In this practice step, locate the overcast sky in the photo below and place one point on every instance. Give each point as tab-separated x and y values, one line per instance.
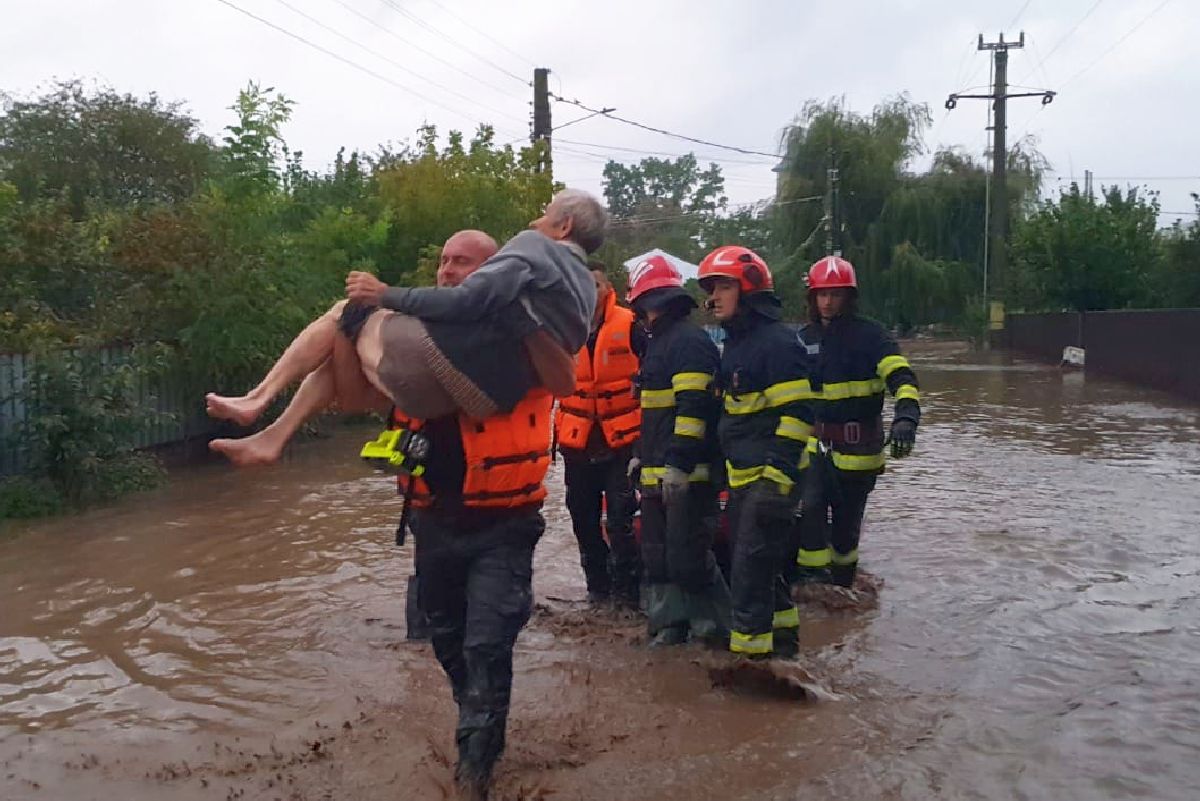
729	72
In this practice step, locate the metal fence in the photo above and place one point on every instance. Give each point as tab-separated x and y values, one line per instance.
176	413
1158	348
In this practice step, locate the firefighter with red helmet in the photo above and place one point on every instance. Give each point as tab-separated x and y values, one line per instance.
686	597
851	362
764	428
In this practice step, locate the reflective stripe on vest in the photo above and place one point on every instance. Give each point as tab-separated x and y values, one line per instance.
603	387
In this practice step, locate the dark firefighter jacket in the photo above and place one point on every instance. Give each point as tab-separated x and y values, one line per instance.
679	404
850	362
765	422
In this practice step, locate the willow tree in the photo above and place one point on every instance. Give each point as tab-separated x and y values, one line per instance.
870	152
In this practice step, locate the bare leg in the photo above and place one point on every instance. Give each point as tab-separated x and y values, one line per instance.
316	393
337	381
307	352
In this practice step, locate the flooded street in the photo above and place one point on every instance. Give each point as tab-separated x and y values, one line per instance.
241	634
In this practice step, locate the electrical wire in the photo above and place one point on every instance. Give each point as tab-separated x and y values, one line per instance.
419	48
436	32
486	35
395	63
1120	41
1062	40
347	61
745	151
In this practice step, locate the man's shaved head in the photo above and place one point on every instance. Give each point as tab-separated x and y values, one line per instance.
463	254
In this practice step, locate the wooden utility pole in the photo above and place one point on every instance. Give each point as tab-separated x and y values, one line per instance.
998	217
541	116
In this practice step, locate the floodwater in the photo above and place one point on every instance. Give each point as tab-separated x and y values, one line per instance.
1037	634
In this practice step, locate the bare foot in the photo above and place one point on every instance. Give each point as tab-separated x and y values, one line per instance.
248	452
243	411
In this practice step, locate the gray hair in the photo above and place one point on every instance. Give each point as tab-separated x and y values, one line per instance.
589	220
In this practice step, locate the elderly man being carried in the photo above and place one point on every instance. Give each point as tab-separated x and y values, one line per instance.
477	348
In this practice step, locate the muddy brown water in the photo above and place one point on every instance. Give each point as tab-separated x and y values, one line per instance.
241	635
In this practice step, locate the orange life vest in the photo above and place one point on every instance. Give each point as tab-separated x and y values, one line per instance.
506	456
603	386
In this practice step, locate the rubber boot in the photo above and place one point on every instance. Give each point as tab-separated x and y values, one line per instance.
811	575
709	612
843	575
786	642
666	614
417	623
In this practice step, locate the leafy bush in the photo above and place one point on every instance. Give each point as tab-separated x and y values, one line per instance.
83	416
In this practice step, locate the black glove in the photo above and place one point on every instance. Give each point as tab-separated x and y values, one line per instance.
903	437
773	503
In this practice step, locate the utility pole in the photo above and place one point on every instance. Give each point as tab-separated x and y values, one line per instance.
833	221
541	116
998	216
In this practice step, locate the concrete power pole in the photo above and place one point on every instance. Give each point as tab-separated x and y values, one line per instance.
833	217
998	217
541	116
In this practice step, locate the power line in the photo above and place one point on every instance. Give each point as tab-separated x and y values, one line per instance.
1138	178
485	35
1120	41
1062	40
665	132
395	63
1017	18
699	156
1100	58
346	61
399	10
624	222
418	48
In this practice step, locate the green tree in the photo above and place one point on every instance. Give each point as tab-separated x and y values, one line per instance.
1083	254
670	204
1176	282
430	192
101	147
253	146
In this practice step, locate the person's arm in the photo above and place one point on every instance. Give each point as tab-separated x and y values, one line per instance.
695	363
898	376
788	395
492	287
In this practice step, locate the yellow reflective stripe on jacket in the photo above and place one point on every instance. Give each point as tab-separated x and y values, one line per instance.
788	392
786	619
657	398
890	364
850	461
696	382
851	389
845	558
747	403
821	557
741	643
793	428
741	476
908	392
772	473
652	475
690	427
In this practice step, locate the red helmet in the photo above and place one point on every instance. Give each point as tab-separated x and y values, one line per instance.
655	272
832	272
739	263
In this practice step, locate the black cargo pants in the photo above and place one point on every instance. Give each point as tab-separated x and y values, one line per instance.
765	621
476	588
592	488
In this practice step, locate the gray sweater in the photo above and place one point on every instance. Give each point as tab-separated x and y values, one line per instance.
532	283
